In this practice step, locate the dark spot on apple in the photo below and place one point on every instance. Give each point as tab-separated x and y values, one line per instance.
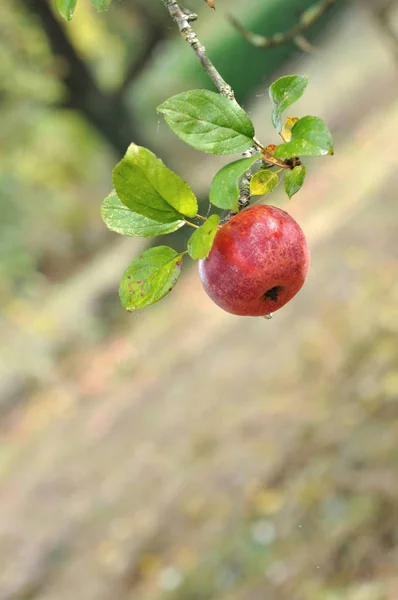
273	293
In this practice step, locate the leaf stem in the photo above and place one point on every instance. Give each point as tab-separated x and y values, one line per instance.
274	161
258	144
191	224
200	217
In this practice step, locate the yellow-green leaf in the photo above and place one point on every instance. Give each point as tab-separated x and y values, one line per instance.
263	182
148	187
286	132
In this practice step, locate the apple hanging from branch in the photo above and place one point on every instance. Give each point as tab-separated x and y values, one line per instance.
258	262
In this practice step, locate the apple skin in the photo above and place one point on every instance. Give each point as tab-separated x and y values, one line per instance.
258	262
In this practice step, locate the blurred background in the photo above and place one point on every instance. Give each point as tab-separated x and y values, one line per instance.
182	453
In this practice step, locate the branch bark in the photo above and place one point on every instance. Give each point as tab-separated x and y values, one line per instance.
183	21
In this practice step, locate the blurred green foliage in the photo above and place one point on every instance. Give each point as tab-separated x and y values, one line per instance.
49	157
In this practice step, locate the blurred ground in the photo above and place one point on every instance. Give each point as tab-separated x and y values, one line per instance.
191	455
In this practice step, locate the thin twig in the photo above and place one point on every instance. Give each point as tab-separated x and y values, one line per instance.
308	18
183	21
191	224
304	45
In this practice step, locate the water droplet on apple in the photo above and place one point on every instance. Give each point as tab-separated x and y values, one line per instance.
268	317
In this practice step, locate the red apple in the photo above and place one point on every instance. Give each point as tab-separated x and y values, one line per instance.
258	262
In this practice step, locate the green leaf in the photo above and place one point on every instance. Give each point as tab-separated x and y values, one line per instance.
66	8
310	137
263	182
201	241
148	187
283	92
294	179
224	189
209	122
150	277
101	5
121	219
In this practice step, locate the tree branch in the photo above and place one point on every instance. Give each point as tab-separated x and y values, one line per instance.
308	18
183	21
